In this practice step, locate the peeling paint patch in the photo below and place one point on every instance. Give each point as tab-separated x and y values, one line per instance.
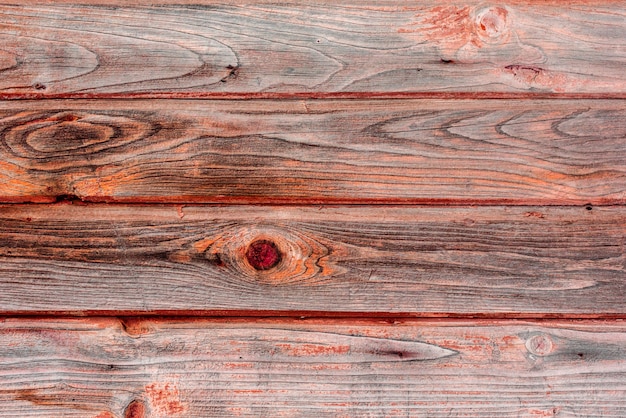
165	398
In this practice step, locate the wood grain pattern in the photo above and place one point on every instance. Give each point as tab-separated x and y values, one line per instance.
370	151
459	245
431	261
56	50
161	368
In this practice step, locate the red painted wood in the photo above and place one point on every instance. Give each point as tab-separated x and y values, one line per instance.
334	260
193	367
235	48
483	152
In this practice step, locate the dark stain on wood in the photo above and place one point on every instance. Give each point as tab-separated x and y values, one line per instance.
329	152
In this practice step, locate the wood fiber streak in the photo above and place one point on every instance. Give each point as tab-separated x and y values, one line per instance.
320	47
534	261
403	151
107	368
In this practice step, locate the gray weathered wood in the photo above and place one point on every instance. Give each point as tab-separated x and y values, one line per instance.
313	48
518	261
104	368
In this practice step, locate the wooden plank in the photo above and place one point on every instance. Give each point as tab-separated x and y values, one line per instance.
289	47
157	368
532	152
269	260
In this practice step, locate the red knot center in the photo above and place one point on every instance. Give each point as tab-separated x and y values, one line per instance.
263	255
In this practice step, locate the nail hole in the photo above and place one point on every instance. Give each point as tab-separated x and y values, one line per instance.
588	206
263	255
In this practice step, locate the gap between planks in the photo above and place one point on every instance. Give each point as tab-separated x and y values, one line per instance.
294	315
348	95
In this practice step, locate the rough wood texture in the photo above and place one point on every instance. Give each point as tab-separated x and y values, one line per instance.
404	151
518	261
510	116
106	368
313	48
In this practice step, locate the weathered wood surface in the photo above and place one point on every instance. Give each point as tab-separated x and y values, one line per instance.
313	48
402	151
517	261
158	368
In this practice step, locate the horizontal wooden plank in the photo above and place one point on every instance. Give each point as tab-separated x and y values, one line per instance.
252	47
271	260
405	151
106	368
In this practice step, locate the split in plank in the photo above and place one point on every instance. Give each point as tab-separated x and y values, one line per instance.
406	151
248	260
57	50
107	368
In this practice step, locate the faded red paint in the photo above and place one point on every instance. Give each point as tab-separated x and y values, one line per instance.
543	412
331	366
540	78
239	411
232	366
491	25
165	398
448	26
105	414
510	339
533	214
453	27
308	350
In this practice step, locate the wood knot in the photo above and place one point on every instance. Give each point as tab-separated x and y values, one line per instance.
270	255
492	25
539	345
263	255
135	327
135	409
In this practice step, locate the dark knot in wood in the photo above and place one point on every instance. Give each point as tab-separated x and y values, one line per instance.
263	255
